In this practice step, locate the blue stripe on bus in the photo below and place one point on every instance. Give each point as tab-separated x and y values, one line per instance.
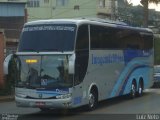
120	85
128	76
131	54
54	91
48	93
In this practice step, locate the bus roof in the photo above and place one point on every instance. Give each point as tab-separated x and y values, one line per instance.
95	21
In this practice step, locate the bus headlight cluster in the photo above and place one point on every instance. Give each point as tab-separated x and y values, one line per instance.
63	96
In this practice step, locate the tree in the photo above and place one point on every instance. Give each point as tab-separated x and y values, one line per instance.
145	9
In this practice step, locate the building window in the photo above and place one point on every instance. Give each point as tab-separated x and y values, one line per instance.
33	3
102	3
76	7
61	2
12	0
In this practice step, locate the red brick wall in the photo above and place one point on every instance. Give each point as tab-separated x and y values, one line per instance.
1	58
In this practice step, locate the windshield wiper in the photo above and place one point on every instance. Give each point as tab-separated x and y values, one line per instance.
50	50
28	50
41	50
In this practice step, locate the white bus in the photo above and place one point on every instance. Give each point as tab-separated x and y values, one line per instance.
67	63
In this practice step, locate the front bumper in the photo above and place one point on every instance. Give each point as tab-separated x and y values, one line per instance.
43	103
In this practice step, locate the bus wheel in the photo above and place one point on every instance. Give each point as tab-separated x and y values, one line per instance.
133	90
140	89
93	100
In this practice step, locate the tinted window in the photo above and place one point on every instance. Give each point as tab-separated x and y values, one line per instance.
148	44
136	40
57	37
131	40
104	37
82	53
119	38
82	42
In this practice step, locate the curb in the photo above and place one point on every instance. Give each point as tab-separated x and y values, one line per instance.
6	98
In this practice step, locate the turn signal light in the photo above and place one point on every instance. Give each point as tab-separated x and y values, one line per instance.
29	61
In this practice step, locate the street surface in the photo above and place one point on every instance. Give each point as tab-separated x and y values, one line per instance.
149	103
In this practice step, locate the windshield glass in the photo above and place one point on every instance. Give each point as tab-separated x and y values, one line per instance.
46	72
50	37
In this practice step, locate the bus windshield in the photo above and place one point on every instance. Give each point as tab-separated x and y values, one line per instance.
44	71
47	38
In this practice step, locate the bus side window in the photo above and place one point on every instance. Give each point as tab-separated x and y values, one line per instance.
82	53
132	41
148	41
103	38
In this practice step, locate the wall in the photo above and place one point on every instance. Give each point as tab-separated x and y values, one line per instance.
72	9
12	18
1	57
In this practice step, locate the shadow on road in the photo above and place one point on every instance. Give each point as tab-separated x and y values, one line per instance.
117	100
73	114
53	114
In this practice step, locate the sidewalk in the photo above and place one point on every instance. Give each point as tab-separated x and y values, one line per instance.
6	98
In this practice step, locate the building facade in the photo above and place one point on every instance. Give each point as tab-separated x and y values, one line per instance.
106	8
53	9
2	46
14	13
12	19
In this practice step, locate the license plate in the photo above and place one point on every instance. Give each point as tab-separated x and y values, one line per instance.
40	104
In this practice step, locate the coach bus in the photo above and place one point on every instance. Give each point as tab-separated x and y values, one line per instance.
67	63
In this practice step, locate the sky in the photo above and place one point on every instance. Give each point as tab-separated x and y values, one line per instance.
151	6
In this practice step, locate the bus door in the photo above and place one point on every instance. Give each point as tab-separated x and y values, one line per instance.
81	63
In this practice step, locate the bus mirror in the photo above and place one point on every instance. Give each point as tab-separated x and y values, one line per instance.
6	64
71	64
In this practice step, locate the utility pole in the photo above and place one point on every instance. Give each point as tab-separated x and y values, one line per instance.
113	10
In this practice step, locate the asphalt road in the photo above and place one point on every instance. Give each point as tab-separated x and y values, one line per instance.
122	107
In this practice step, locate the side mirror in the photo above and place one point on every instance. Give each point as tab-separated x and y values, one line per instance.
72	64
6	64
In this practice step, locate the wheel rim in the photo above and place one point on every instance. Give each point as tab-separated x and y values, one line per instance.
91	100
140	89
133	90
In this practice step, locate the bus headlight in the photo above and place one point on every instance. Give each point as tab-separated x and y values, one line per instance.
21	95
63	96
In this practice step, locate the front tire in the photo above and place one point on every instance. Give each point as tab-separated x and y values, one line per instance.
93	100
